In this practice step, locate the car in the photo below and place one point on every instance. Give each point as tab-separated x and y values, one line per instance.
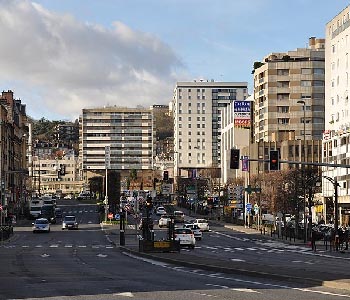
185	236
202	224
58	212
69	197
196	231
179	216
48	212
41	225
164	221
69	222
160	210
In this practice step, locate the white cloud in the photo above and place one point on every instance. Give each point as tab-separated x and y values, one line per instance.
79	65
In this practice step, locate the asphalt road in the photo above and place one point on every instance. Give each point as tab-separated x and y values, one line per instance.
82	264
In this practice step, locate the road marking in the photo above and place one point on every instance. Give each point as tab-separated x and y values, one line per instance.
246	290
237	259
252	249
102	255
54	246
45	255
203	294
68	246
38	246
25	246
239	249
82	246
213	248
125	294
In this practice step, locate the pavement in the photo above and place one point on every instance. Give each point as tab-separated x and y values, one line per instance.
185	258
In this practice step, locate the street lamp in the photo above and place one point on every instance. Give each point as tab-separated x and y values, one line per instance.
303	168
335	183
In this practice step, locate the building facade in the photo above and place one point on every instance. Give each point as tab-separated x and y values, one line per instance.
289	93
197	109
336	138
130	134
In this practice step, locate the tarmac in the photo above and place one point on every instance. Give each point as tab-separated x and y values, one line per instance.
304	276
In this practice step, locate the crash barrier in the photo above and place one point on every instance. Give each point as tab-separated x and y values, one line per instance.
5	232
159	246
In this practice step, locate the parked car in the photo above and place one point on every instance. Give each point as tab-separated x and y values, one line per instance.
69	196
41	225
196	231
69	222
164	221
202	224
160	210
186	237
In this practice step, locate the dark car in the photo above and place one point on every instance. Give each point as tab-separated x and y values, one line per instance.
48	212
58	212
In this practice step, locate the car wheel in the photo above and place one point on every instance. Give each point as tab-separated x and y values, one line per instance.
62	228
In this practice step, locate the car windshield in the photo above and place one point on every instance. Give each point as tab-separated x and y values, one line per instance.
41	222
183	231
69	218
202	221
38	208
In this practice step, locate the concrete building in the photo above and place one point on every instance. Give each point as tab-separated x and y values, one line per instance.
289	105
197	107
280	81
129	132
336	138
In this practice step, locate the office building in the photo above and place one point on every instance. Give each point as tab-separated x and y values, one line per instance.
197	109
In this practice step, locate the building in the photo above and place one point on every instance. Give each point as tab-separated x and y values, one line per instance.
197	107
56	175
336	138
289	110
13	160
67	133
130	134
289	94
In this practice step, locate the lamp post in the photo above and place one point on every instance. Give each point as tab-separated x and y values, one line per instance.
335	183
107	166
303	168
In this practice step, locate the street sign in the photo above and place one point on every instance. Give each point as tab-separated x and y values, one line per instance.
248	207
110	216
117	216
256	208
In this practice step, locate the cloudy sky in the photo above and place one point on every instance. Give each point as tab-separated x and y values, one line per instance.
59	56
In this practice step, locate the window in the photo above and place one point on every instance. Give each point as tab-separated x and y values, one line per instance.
318	71
189	90
189	125
189	133
180	119
198	125
189	104
306	71
189	118
283	109
189	97
305	96
305	83
198	118
203	97
180	125
203	118
189	111
203	125
283	72
283	84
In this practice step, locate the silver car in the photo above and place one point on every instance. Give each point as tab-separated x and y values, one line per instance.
69	222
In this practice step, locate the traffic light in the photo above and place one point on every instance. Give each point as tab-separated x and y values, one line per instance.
274	160
165	175
234	159
63	170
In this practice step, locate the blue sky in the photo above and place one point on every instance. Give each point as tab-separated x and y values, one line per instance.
64	55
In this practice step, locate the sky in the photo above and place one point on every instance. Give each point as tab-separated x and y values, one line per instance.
60	56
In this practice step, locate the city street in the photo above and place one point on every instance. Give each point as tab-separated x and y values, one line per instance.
83	264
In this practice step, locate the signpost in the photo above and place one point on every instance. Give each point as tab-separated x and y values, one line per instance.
248	208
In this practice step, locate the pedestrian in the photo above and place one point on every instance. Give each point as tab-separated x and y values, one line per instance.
313	240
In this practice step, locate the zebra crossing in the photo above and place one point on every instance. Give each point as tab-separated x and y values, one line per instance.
59	246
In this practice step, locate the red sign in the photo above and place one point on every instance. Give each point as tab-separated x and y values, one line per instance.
110	216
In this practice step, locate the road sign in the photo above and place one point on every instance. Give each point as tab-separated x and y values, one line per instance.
256	208
110	216
117	216
248	207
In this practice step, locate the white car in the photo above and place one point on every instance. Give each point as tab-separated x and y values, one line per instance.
196	231
186	237
70	222
164	221
202	224
41	225
160	211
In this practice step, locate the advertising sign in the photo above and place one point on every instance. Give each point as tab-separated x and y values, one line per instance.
241	114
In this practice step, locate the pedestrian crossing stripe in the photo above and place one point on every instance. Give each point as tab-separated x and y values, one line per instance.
59	246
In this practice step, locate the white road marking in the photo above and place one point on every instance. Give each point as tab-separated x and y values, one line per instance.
237	259
54	246
125	294
68	246
246	291
38	246
45	255
102	255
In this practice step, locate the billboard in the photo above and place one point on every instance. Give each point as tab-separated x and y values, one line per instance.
241	112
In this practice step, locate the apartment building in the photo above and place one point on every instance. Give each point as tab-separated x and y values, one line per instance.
197	109
130	134
289	91
336	138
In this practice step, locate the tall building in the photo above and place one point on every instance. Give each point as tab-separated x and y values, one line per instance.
289	94
197	109
129	132
336	138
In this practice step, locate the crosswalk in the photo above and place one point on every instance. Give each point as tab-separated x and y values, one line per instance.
59	246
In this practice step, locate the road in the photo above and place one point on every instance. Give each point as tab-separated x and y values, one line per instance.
82	264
